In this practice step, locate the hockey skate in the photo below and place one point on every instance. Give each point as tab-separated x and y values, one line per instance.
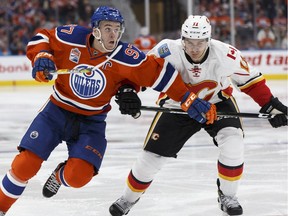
52	186
121	207
228	204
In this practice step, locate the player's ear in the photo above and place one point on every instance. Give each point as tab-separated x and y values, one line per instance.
96	32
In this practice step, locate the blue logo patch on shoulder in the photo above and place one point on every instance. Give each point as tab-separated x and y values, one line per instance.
164	51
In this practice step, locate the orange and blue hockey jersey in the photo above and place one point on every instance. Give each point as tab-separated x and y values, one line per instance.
90	93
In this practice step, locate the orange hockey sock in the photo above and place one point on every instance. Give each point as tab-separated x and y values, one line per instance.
76	173
10	190
24	166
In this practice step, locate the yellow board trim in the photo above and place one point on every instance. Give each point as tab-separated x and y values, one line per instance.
35	83
24	83
276	76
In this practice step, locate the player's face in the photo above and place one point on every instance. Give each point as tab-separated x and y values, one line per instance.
195	48
110	32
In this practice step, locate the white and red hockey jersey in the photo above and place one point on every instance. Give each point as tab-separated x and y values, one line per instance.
211	79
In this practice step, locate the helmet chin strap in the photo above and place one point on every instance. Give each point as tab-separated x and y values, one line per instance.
99	39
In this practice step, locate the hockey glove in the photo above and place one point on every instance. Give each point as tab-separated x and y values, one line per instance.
128	101
198	109
274	106
43	63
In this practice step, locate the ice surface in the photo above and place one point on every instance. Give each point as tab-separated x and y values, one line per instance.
186	186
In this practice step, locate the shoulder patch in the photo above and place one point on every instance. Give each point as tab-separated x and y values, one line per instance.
164	51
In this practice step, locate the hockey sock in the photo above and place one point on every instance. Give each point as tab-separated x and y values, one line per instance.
135	185
75	173
24	166
10	190
231	159
142	174
60	177
229	177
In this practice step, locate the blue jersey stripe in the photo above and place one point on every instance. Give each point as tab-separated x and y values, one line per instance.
169	72
36	37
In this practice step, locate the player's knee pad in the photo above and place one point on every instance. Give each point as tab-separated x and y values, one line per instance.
231	145
147	165
78	172
25	165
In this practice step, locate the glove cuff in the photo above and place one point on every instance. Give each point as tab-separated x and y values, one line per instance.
43	55
274	106
187	100
126	88
268	107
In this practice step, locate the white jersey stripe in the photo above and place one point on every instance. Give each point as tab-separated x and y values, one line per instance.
14	181
59	97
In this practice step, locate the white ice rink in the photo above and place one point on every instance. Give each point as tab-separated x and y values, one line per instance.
186	186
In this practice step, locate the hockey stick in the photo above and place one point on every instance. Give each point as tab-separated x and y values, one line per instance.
86	70
224	114
69	71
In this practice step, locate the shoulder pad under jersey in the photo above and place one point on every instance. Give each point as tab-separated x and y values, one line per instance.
72	34
226	54
224	48
129	55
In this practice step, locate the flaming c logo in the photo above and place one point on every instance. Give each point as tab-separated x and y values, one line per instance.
204	87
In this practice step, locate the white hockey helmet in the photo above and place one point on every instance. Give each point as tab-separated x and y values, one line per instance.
196	27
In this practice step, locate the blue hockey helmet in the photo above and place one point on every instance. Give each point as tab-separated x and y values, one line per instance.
106	13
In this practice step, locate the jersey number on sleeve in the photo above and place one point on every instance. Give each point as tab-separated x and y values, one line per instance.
131	52
68	31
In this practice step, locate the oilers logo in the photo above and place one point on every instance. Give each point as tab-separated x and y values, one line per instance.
88	85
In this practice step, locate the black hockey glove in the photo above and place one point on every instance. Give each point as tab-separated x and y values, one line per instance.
274	106
128	101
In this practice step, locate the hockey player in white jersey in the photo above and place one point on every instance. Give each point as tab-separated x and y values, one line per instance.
208	67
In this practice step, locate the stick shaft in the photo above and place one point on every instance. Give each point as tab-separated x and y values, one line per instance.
224	114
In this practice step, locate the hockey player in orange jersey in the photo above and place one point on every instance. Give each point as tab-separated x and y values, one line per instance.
78	106
145	42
